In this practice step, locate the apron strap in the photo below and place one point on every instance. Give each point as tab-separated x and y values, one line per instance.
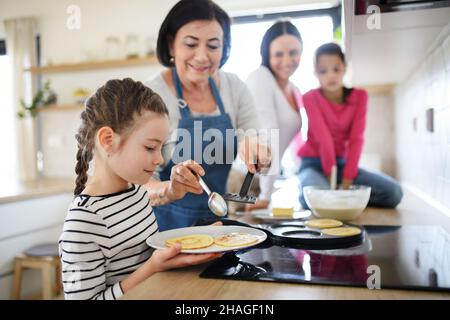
216	95
182	105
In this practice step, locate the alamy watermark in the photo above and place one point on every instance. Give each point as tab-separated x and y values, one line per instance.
374	20
374	279
73	21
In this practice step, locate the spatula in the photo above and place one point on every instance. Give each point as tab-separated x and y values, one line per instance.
242	196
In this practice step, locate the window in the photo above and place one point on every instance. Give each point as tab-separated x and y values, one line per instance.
247	33
316	27
8	161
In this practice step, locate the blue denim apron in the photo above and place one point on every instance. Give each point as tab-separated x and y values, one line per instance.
184	212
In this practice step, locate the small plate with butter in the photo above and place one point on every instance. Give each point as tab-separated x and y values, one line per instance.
281	214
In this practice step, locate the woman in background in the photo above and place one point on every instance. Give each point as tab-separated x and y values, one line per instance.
278	100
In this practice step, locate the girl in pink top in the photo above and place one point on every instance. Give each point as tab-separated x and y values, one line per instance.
336	125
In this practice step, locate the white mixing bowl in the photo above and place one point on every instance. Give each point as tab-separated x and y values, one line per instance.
338	204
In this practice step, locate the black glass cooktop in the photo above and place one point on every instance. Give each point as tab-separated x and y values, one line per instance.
407	257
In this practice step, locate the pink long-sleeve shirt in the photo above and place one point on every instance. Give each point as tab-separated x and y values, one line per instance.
335	130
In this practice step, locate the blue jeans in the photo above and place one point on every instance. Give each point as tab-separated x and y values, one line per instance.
386	192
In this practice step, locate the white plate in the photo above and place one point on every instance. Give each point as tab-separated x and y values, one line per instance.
158	240
267	215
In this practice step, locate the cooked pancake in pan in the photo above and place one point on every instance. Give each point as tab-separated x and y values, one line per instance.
323	223
235	239
342	232
192	241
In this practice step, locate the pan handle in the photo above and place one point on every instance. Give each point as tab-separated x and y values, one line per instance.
246	184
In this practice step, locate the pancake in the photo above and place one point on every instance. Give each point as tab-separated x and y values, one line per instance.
342	232
323	223
192	241
235	239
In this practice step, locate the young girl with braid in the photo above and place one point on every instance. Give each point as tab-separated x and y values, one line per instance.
102	246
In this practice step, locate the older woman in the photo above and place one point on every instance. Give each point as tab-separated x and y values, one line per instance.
206	106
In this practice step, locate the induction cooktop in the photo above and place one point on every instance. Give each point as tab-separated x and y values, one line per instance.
406	257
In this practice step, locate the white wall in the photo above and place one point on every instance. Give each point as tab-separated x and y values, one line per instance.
143	14
388	54
425	156
379	146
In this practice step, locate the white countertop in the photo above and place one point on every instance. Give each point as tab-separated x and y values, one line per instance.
17	191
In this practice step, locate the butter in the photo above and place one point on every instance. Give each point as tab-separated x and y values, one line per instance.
282	212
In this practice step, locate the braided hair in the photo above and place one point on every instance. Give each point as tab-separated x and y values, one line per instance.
117	105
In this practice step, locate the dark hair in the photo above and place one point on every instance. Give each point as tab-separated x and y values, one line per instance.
329	48
279	28
116	105
186	11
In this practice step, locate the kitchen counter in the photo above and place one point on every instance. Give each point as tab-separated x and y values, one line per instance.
186	283
18	191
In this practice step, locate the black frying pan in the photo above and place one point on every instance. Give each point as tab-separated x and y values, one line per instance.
297	235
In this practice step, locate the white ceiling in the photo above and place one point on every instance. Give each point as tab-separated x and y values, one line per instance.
388	55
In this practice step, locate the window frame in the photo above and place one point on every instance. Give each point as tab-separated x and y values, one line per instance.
2	47
334	12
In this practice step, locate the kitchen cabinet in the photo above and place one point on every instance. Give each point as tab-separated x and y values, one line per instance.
31	213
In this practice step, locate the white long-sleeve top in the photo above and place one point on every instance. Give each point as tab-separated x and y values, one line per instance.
274	112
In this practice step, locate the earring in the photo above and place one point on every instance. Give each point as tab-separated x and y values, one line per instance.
172	59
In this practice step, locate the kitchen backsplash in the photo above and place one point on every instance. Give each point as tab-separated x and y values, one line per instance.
377	154
422	106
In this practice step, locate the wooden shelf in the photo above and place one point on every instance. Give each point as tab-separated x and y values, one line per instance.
94	65
61	107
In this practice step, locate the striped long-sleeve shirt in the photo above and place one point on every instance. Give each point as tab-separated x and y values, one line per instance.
103	241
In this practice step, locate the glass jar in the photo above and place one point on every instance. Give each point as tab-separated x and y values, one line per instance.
150	46
113	49
132	46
